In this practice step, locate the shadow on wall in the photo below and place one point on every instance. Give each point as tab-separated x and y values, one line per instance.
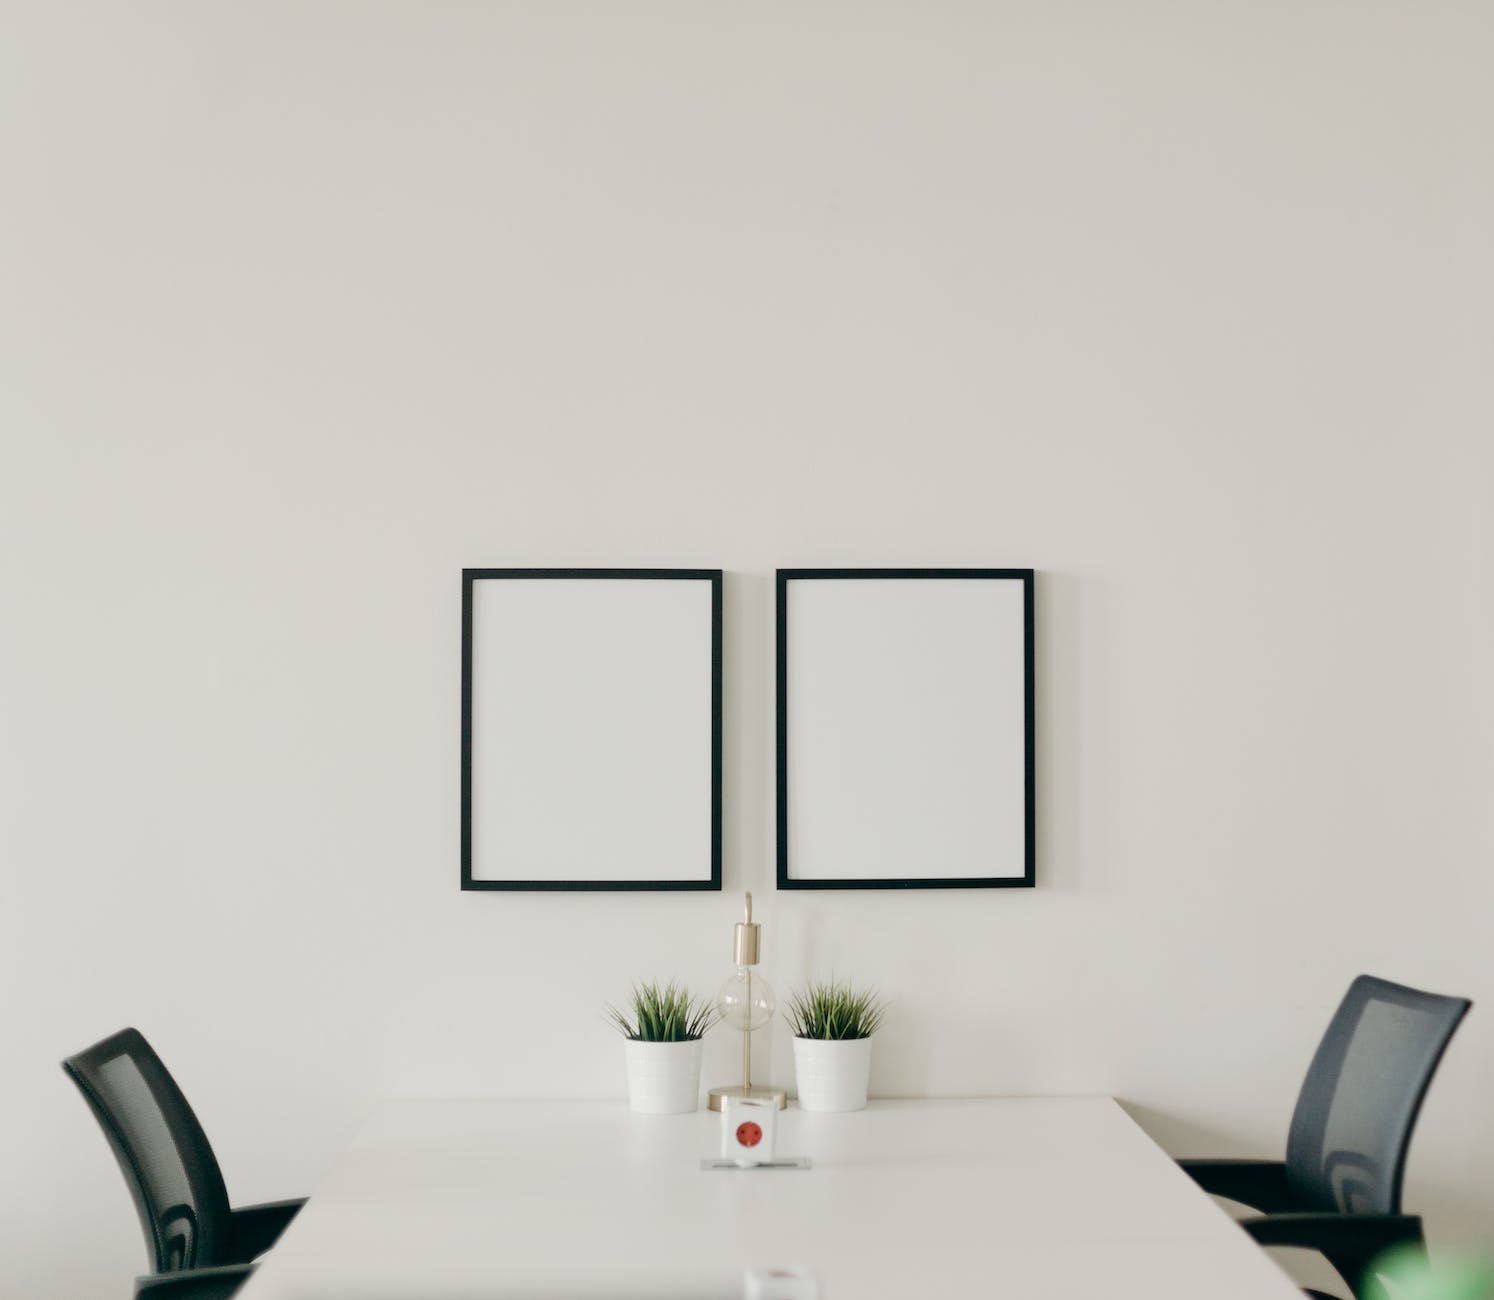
1058	638
1187	1138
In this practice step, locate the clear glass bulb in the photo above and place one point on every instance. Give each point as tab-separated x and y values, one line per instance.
746	1000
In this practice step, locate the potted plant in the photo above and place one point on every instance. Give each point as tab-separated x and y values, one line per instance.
1405	1273
663	1026
833	1024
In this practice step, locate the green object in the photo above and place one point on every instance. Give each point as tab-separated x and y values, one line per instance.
834	1010
1407	1274
663	1013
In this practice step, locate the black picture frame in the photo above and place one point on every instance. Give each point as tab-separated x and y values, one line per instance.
1026	577
472	576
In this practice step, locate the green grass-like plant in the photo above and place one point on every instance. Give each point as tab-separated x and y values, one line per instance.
835	1010
663	1013
1405	1273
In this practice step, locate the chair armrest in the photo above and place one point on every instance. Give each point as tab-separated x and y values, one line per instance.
1260	1184
253	1229
194	1283
1375	1232
1350	1242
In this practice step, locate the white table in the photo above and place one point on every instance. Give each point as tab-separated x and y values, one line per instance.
1030	1198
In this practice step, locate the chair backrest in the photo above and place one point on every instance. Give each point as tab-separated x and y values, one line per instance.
1352	1127
160	1146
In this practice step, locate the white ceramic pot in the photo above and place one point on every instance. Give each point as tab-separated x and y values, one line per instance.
832	1073
663	1078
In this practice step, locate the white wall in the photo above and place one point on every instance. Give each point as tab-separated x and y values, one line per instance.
307	306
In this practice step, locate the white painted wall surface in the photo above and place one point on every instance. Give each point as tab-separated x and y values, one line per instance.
305	307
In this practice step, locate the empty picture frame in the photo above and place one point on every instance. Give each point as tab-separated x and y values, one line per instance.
905	729
591	729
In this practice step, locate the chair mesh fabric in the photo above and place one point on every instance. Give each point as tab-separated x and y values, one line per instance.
161	1148
1346	1151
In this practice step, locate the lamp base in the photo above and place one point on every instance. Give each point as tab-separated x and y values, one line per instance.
779	1095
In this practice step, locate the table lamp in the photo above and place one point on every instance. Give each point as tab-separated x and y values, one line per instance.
746	1002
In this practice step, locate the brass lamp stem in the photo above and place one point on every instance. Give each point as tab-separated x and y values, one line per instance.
747	1033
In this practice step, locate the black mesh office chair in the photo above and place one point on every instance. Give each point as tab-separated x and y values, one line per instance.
1339	1189
200	1248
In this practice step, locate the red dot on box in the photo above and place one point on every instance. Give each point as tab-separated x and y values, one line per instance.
749	1134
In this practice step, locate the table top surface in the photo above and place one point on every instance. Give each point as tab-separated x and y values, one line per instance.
1038	1198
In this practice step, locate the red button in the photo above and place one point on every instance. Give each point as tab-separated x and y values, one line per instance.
748	1134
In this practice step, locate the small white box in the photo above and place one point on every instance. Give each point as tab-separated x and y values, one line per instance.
749	1129
780	1284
